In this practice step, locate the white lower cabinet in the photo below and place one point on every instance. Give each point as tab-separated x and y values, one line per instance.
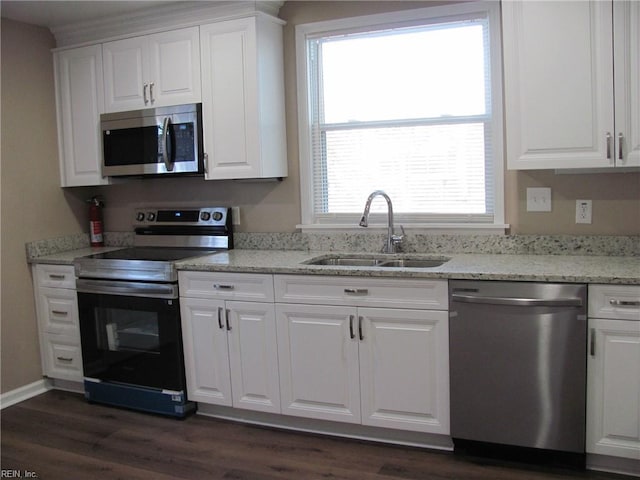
613	379
384	367
230	346
58	325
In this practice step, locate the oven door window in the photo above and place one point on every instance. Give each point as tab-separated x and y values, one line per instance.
122	330
131	340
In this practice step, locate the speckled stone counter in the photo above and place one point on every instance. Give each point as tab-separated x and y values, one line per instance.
547	268
524	258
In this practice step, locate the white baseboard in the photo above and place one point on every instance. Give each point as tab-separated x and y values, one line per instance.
23	393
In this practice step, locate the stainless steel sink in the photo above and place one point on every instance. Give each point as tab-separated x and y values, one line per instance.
414	263
345	261
385	261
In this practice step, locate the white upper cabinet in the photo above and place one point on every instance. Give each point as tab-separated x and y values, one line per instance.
559	60
243	98
153	70
79	102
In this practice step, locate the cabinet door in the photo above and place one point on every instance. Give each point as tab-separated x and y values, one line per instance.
318	358
253	356
626	23
206	352
613	396
174	67
124	75
80	101
404	369
558	61
230	102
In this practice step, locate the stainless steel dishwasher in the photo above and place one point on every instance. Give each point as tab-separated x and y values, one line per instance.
518	364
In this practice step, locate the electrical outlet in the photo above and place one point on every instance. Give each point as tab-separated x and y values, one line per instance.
235	215
583	211
539	199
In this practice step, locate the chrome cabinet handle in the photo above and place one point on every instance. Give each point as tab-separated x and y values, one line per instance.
620	146
356	291
65	359
608	146
360	332
592	343
57	276
220	286
352	335
220	318
227	313
151	92
144	93
60	312
624	303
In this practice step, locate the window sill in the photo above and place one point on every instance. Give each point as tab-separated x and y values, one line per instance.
430	228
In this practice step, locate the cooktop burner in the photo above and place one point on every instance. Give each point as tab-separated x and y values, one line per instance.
165	254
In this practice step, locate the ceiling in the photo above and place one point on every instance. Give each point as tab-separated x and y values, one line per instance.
54	13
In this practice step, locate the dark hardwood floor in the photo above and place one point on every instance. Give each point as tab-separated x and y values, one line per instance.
58	435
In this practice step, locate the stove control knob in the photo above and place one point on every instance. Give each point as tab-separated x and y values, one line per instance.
151	216
140	216
217	216
205	216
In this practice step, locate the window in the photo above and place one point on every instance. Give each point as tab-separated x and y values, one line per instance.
408	103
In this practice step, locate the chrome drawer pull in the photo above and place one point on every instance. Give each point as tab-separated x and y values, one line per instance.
356	291
57	276
65	359
219	286
59	312
624	303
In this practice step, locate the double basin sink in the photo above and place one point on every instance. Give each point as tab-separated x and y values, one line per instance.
382	260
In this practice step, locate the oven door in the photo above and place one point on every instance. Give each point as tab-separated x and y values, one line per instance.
130	333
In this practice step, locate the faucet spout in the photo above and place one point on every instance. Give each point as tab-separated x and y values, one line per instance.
393	241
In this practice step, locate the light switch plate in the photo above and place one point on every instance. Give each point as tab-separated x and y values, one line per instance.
235	215
538	199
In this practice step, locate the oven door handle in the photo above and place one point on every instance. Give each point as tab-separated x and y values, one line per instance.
130	289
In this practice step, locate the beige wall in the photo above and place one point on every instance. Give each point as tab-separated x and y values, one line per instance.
33	206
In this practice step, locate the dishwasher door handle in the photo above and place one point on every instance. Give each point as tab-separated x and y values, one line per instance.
519	302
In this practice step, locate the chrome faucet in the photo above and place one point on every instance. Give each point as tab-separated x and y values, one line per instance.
394	242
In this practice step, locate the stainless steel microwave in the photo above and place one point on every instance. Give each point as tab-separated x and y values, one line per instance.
154	141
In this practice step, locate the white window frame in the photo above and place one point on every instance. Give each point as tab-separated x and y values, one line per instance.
405	18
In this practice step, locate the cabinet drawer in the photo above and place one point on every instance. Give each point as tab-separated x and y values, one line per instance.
354	291
226	286
62	357
59	311
614	301
56	276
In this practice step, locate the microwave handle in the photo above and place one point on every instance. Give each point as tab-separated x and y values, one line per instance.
168	162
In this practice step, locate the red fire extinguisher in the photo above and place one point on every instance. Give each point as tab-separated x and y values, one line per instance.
95	222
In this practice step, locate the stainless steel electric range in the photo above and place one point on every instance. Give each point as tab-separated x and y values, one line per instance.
129	309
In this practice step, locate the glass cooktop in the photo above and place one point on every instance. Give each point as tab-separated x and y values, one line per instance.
166	254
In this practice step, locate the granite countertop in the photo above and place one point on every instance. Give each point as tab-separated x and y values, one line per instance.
549	268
